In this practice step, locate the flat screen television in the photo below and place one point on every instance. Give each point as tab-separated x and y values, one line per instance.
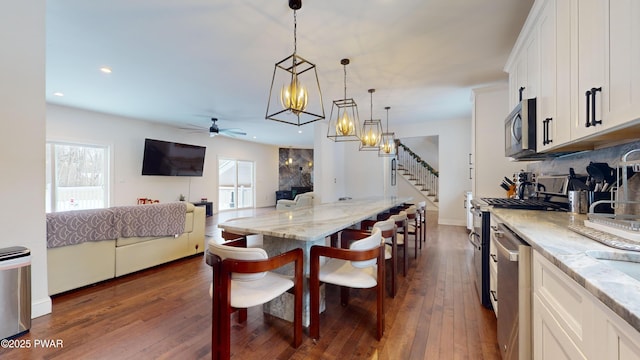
167	158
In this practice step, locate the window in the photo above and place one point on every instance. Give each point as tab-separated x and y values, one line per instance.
235	184
76	177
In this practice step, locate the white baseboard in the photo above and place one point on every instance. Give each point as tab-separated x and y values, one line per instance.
41	307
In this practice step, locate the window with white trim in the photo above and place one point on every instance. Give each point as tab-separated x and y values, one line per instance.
77	176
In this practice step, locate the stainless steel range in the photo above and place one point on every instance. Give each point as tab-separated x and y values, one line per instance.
479	238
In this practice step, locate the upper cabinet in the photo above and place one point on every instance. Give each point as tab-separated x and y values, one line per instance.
585	72
554	101
524	73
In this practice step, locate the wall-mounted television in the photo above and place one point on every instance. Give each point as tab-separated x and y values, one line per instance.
167	158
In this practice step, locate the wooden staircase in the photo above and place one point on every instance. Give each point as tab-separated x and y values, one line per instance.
420	186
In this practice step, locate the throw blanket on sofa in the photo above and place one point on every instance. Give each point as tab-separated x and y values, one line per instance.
150	220
77	226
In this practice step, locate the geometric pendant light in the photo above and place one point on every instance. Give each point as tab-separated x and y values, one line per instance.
344	121
371	131
299	100
388	141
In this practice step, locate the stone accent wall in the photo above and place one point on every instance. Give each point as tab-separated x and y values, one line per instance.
298	173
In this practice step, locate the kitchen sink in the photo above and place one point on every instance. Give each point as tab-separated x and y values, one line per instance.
625	261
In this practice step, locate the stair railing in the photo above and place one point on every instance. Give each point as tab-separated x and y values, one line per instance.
418	170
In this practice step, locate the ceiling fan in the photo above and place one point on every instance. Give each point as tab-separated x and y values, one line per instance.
215	130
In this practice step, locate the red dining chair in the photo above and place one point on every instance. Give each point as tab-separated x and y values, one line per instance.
242	278
358	265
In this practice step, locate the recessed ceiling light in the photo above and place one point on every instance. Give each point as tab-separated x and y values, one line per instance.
255	137
57	93
299	131
106	69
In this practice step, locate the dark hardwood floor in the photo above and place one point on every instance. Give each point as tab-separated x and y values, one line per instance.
165	313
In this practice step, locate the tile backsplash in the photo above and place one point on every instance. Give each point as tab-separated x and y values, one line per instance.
579	161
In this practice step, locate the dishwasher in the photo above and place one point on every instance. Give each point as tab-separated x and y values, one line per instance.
514	295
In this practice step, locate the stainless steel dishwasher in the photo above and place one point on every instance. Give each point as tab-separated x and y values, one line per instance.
514	295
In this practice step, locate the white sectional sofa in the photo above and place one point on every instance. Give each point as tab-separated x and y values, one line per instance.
88	246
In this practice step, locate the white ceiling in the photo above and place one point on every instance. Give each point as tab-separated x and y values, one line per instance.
184	61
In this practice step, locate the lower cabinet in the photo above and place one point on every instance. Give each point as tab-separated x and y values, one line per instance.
550	340
570	323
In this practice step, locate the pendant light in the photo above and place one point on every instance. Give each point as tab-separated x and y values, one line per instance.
371	131
346	124
388	141
300	98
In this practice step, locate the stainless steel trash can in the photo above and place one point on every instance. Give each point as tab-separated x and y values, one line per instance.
15	291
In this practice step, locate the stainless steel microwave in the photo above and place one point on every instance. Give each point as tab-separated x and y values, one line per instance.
520	130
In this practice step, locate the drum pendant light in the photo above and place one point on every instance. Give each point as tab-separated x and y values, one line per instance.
300	98
345	126
371	131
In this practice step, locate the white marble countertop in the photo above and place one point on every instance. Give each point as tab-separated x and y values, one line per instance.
314	222
548	233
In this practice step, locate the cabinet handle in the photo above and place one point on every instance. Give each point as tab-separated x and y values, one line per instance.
520	93
546	140
588	96
470	178
494	296
470	163
594	122
494	257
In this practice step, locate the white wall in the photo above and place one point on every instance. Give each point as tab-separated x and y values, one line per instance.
363	173
22	125
425	146
454	138
491	107
329	165
125	136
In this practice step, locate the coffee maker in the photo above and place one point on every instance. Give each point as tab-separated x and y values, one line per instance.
525	185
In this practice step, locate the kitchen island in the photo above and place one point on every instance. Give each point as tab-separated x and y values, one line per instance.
595	309
284	230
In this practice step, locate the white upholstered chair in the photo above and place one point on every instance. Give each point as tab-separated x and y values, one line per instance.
301	200
242	278
412	227
402	237
388	233
358	265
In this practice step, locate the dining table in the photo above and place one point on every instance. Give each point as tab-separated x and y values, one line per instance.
284	230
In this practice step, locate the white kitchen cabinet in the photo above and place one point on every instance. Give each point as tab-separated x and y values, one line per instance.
553	101
524	72
621	340
571	323
585	72
606	49
550	339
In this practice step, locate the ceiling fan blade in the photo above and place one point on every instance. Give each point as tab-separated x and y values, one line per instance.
232	132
